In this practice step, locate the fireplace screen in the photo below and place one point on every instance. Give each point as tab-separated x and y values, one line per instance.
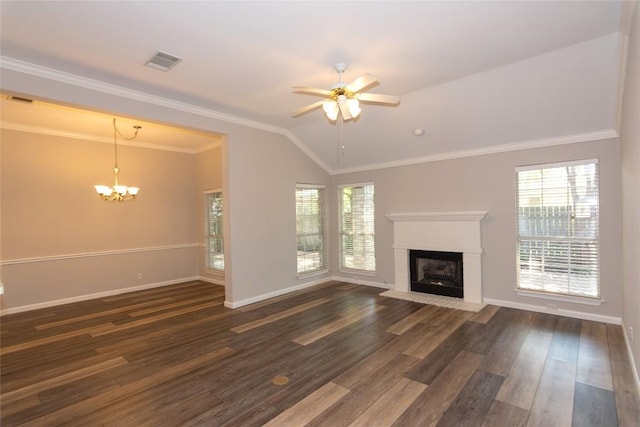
436	272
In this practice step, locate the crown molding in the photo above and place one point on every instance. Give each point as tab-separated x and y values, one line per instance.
100	86
94	138
495	149
96	85
132	94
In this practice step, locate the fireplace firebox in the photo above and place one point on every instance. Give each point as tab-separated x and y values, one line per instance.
436	272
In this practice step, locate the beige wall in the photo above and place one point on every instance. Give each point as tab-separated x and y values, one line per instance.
630	137
60	241
263	170
487	183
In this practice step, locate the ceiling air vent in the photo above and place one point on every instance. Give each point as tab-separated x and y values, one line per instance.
163	61
19	99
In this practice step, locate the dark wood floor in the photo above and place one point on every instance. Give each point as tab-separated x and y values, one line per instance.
176	356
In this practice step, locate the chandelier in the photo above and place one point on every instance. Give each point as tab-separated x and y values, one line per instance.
118	192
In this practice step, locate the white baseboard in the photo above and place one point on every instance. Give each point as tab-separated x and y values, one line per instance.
86	297
634	367
258	298
211	280
560	312
361	282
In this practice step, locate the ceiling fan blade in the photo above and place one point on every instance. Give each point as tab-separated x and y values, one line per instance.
361	83
344	110
306	109
311	90
376	98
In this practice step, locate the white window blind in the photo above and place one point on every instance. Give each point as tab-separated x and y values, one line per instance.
310	227
558	228
357	227
214	243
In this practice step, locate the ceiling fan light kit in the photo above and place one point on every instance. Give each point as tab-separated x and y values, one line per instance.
344	99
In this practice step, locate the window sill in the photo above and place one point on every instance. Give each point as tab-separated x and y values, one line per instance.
356	271
312	273
560	297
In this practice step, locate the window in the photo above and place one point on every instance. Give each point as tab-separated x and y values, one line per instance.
558	249
214	243
357	228
310	227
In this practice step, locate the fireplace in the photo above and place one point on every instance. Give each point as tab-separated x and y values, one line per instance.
457	232
436	272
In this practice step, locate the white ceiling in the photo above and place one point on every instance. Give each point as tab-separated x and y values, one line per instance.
242	58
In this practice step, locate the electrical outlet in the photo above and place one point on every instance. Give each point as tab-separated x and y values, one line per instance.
139	276
630	334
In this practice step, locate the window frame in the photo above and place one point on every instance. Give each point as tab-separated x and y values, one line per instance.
341	233
207	233
322	210
547	241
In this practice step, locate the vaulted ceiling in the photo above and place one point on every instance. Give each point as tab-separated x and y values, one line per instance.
471	75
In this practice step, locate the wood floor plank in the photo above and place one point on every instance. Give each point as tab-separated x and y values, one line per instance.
566	340
413	319
434	336
438	360
553	403
388	408
319	363
178	362
428	408
336	325
484	315
141	341
521	383
372	388
513	326
502	414
593	406
103	313
474	401
170	403
278	316
167	306
68	413
347	286
61	379
363	370
25	404
308	408
152	319
103	327
594	367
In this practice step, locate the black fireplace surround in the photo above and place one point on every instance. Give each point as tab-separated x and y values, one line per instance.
435	272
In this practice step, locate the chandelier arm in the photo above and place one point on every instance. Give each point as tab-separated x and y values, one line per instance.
128	138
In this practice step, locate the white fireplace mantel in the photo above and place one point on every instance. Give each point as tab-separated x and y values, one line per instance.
440	231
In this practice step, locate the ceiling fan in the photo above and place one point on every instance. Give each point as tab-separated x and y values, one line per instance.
344	99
